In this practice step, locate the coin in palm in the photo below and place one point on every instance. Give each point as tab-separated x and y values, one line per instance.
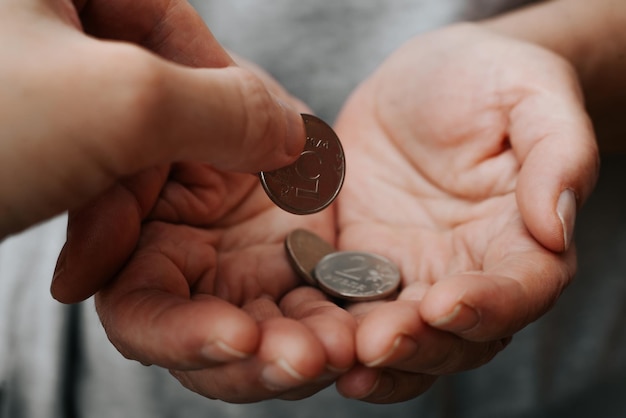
304	250
357	276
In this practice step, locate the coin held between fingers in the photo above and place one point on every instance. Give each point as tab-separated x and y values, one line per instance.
314	180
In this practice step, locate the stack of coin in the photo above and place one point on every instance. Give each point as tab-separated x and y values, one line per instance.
350	275
310	185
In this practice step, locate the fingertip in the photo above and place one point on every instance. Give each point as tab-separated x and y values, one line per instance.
336	334
441	308
295	134
274	134
548	212
474	306
458	319
333	326
553	185
234	336
395	326
158	328
383	386
536	195
291	353
359	382
483	307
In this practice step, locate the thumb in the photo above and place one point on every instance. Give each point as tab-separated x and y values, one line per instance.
558	174
226	117
129	111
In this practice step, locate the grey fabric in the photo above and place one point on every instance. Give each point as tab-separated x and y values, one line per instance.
56	362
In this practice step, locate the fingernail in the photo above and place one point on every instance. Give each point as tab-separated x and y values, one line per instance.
462	318
295	132
402	347
384	387
280	376
566	211
221	352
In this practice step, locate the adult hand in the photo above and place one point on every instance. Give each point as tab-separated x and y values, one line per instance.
469	154
94	91
198	259
203	300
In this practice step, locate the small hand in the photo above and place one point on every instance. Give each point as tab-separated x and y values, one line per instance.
468	156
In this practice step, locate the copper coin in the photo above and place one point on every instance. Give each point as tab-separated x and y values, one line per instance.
304	251
314	180
357	276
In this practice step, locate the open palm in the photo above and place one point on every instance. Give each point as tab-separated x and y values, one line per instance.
456	166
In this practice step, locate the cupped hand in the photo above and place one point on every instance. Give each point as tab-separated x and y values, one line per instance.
189	254
94	91
468	156
209	293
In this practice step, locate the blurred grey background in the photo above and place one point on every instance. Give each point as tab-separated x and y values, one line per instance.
55	361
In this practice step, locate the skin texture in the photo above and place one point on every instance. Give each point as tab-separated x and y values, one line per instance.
450	166
458	139
178	201
456	175
87	111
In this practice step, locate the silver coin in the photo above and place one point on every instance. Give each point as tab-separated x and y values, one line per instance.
357	276
312	182
304	251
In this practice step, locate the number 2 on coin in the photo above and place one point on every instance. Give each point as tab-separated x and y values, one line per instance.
360	266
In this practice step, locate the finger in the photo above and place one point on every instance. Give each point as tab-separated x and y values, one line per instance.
152	113
172	332
272	84
383	386
501	300
288	357
265	308
151	315
394	336
560	164
102	235
225	117
156	25
334	327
